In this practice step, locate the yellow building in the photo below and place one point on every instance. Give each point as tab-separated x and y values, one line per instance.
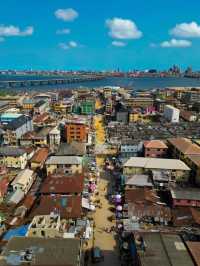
13	157
133	117
28	104
67	164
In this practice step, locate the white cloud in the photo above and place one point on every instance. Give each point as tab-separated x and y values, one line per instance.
66	46
66	14
173	43
123	29
73	44
8	31
118	43
63	31
186	30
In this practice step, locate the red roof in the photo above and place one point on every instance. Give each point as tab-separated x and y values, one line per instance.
67	206
29	135
140	195
155	144
29	201
41	118
4	182
40	156
63	184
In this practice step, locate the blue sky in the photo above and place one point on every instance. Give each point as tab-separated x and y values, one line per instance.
99	35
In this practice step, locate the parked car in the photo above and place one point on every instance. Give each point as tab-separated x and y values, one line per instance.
97	255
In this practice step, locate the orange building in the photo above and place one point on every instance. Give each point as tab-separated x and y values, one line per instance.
76	132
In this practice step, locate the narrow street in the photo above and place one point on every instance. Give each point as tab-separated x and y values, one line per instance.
106	241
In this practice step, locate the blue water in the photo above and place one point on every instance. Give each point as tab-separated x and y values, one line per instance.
134	83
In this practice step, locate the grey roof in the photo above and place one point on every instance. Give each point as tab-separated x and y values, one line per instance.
11	151
40	103
165	250
18	122
3	103
64	160
16	197
51	251
74	148
188	193
139	181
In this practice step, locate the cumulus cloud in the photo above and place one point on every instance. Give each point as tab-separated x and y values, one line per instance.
118	43
186	30
176	43
73	44
63	31
66	46
123	29
68	14
8	31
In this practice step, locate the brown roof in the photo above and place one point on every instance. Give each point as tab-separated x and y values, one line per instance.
63	184
41	118
185	216
194	248
140	195
185	146
141	210
186	114
195	159
155	144
40	156
29	135
67	206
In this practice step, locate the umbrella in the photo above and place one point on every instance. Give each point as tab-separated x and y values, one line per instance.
119	208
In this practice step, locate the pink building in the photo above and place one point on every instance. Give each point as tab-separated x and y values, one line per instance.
155	149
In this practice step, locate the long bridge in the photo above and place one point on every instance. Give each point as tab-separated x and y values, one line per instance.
52	81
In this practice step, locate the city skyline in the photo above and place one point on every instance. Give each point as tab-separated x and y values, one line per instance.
99	35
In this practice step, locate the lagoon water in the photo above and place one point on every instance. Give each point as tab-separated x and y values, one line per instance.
134	83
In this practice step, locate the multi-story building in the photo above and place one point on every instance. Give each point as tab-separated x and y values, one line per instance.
23	181
184	149
155	149
16	128
87	107
28	104
76	131
39	158
54	137
6	118
13	157
171	114
84	107
41	107
139	102
67	164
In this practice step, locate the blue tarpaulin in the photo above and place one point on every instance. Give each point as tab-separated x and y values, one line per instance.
19	231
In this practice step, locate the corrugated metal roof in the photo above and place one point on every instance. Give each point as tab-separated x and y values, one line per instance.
64	160
156	163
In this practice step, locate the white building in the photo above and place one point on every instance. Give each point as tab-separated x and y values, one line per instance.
23	181
54	137
171	114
